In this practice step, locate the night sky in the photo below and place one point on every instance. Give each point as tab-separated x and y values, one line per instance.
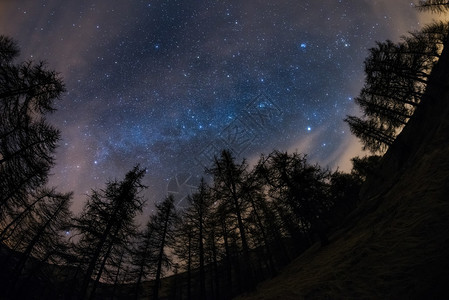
167	84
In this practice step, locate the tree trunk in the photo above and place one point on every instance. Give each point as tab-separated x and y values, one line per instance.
157	281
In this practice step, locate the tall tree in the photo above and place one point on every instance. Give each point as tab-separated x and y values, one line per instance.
106	224
194	226
163	237
43	235
143	257
213	254
184	249
118	270
229	188
28	91
262	222
20	217
396	78
299	189
374	136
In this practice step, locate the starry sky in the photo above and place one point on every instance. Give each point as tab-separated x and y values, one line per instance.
170	83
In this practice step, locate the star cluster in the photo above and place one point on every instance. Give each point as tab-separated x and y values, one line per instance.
169	83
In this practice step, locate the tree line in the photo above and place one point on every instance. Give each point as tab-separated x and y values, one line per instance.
240	228
396	76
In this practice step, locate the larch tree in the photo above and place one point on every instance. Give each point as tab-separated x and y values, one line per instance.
163	237
143	258
12	223
396	78
261	221
299	189
43	235
374	136
106	225
228	189
28	91
184	249
192	234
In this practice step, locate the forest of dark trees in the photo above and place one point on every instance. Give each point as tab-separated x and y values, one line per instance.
240	228
396	77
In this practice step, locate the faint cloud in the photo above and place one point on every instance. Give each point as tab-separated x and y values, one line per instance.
341	157
387	10
309	143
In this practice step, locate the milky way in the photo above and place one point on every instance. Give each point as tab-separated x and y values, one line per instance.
167	84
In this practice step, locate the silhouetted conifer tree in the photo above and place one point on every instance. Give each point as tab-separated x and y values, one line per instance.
185	252
43	234
106	224
13	222
299	190
27	142
396	78
213	253
261	222
195	222
163	237
374	136
228	189
143	258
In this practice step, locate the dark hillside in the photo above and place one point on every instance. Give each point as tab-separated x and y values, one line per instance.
396	244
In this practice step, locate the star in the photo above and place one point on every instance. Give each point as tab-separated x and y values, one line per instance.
169	85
